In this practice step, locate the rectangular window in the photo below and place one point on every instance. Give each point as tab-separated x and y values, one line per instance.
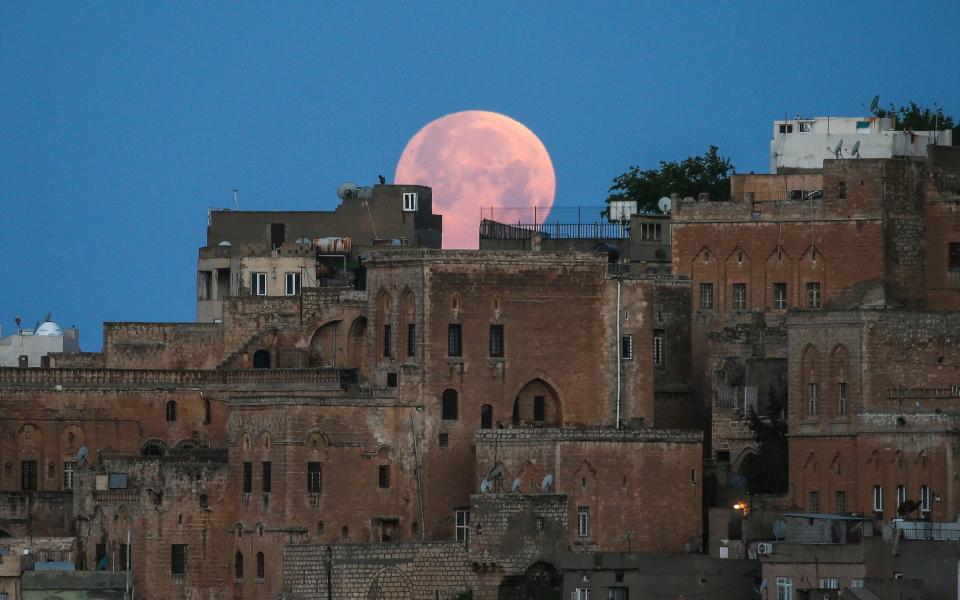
618	593
463	525
178	559
842	399
878	498
387	341
626	347
840	502
953	256
925	498
784	588
901	496
496	341
814	502
812	399
581	594
539	409
278	234
247	477
780	296
266	477
739	296
583	522
658	347
291	284
856	584
411	339
829	583
383	477
813	294
454	340
314	478
409	201
706	296
125	560
69	468
28	475
258	284
443	440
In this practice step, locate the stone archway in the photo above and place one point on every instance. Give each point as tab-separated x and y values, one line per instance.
323	346
389	584
537	404
540	581
356	345
261	359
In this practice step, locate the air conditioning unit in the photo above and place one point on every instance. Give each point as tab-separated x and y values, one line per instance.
765	548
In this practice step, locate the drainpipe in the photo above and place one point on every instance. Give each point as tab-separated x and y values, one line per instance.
328	563
619	344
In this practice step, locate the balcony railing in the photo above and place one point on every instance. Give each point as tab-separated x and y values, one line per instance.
18	376
926	530
492	230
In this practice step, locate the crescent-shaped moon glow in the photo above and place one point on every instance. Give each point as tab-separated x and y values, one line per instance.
478	159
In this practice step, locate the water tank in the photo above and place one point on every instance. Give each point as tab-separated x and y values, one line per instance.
333	245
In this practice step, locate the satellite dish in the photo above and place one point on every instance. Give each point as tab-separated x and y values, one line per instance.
485	486
875	103
838	149
665	205
855	151
495	472
763	586
779	529
82	454
516	486
547	486
224	243
346	190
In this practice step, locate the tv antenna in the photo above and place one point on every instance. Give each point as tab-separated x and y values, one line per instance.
236	197
665	205
855	151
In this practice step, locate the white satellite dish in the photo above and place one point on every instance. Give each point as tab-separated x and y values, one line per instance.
838	149
485	486
855	151
495	472
547	485
516	485
346	190
82	454
665	205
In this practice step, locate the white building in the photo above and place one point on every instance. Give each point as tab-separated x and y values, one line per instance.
804	143
30	346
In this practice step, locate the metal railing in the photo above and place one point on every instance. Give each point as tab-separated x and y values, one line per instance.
493	230
926	530
13	375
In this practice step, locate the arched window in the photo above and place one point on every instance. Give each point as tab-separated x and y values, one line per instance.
486	417
261	565
449	408
171	411
238	565
261	359
153	448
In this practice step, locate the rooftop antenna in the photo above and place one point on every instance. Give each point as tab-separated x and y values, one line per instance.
236	197
855	151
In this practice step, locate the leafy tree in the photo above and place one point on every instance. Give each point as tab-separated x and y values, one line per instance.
766	471
914	117
693	175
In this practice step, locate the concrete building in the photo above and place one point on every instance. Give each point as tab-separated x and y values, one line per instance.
29	347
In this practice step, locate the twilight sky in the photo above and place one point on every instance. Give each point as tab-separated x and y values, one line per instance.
122	123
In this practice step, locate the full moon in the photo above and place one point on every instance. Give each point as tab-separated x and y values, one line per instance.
477	160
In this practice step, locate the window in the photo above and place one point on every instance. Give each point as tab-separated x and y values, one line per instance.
261	566
786	128
842	190
247	477
383	477
392	379
779	296
829	583
814	502
901	496
171	411
539	409
463	525
812	399
449	404
706	296
207	412
291	285
314	478
496	340
581	594
409	201
178	559
69	468
739	296
813	294
204	501
266	473
925	498
238	565
626	347
411	339
28	475
618	593
454	340
856	584
278	234
387	341
878	498
953	256
840	502
258	284
443	440
784	588
486	416
583	522
125	560
842	399
658	347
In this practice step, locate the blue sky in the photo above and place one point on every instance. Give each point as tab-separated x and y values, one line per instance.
121	124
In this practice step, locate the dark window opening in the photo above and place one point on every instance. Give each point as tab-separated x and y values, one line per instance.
723	456
278	234
392	379
454	340
626	347
449	405
266	480
171	411
238	565
261	359
261	566
486	417
247	477
314	478
28	475
443	440
706	296
125	560
204	501
539	409
842	190
152	449
658	347
178	559
496	340
387	341
383	477
953	256
411	339
207	412
101	557
515	416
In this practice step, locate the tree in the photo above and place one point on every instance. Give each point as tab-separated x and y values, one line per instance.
914	117
766	471
693	175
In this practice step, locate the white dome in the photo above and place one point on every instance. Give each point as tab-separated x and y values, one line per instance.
48	328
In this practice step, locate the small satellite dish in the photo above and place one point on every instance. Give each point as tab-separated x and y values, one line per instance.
875	103
485	486
495	472
547	486
82	454
516	486
665	205
779	529
224	243
855	151
838	149
346	190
